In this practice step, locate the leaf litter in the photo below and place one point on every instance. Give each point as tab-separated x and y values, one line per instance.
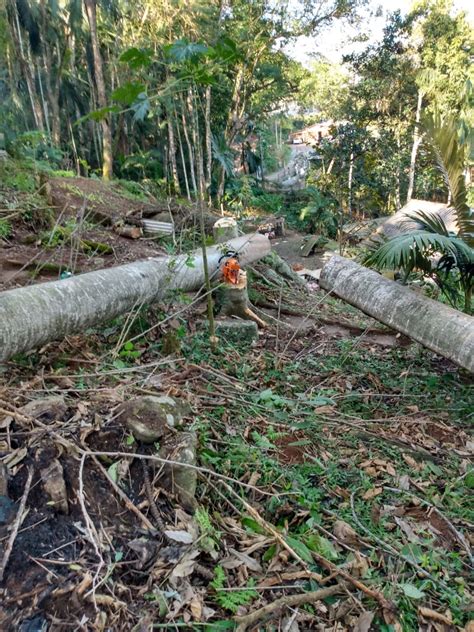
344	503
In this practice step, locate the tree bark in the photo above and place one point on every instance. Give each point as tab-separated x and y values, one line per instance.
190	150
183	162
435	326
415	146
208	143
172	150
26	68
34	315
107	160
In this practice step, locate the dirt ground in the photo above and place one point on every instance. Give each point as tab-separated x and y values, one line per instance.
87	209
289	248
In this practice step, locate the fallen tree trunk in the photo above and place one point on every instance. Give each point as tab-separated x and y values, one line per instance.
32	316
436	326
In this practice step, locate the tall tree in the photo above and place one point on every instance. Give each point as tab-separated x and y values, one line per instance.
107	158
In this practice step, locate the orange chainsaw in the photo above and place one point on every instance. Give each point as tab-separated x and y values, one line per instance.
231	267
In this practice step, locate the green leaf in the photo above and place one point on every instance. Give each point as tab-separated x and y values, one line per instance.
141	107
184	50
322	545
300	548
218	626
136	57
413	551
469	480
252	524
412	591
434	468
112	471
225	50
269	553
266	395
129	92
98	115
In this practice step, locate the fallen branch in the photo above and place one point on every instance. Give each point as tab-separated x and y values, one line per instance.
288	601
131	232
16	524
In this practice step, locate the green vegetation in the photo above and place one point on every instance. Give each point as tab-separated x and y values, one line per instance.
330	451
434	251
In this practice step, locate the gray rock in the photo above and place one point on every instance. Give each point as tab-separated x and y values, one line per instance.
46	408
236	331
7	510
149	417
163	216
7	506
179	479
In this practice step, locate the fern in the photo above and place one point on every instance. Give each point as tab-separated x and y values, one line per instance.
232	599
210	535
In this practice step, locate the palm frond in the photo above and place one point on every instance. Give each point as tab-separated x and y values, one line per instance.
443	136
223	154
413	251
427	221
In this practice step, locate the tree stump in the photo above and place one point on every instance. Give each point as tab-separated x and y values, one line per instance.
236	301
224	230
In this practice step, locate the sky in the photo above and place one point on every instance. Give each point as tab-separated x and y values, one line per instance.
334	42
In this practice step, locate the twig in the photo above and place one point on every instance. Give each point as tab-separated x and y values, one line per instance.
122	494
90	527
285	602
16	524
457	534
152	457
149	492
375	594
269	528
393	551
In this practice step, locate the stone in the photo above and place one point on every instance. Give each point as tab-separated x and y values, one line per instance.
150	417
163	216
236	331
179	479
7	510
35	624
54	485
49	408
7	506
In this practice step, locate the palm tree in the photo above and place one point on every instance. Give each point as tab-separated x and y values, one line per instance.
447	258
